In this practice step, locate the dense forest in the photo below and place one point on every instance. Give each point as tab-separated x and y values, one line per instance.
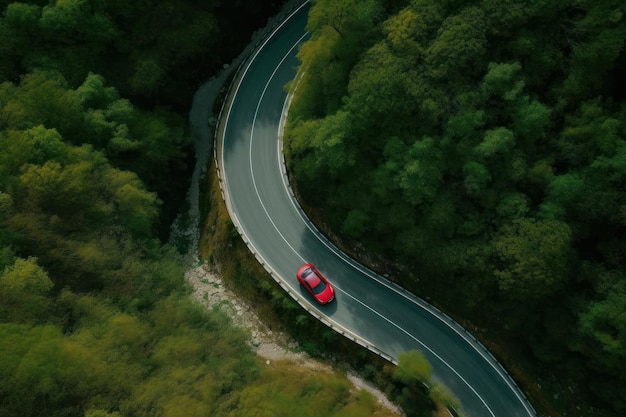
478	146
95	316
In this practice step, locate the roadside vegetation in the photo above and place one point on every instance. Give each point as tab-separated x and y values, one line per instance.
95	316
408	385
475	151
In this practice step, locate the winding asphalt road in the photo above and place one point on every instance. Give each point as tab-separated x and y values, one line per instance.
368	309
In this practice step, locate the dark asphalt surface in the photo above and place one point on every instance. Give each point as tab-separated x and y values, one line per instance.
378	312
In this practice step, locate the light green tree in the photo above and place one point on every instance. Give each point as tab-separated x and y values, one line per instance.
459	47
24	288
603	322
413	367
496	141
503	80
532	257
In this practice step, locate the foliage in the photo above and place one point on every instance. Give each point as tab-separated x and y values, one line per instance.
94	314
288	391
142	47
70	59
412	367
129	363
152	144
24	288
480	144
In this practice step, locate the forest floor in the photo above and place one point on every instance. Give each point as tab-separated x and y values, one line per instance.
210	291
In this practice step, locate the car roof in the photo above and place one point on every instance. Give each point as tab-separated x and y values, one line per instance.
312	279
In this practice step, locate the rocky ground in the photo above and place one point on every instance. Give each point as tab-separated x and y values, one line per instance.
209	290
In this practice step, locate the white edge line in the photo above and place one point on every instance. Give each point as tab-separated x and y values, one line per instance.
258	106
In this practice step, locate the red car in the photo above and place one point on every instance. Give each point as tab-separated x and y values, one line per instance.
315	283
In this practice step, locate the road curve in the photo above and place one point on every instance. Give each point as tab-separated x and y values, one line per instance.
368	308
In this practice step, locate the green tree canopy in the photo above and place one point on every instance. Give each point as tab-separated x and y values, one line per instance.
24	288
536	255
483	155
